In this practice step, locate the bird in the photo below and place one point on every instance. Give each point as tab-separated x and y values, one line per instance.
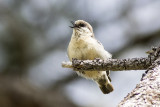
84	46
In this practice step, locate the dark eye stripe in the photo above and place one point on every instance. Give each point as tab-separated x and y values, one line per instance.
82	25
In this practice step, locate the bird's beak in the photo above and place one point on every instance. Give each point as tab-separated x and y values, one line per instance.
74	25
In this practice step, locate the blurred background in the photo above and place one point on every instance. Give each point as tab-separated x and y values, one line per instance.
34	36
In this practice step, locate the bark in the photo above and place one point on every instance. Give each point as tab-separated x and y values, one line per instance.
111	64
146	93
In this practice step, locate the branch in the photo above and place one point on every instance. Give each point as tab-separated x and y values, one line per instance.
111	64
114	64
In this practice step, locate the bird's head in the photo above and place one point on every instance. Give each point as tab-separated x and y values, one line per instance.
81	27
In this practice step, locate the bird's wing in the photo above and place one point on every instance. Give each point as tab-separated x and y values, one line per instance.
102	52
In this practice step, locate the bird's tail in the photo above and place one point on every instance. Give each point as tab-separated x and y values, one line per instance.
105	85
106	88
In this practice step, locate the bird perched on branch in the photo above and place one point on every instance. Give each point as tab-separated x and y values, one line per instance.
84	46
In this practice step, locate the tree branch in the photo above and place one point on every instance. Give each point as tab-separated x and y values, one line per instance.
114	64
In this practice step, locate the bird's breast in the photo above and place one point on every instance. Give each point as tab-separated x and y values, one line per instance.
81	49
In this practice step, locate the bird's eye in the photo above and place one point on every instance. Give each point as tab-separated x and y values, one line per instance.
82	25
